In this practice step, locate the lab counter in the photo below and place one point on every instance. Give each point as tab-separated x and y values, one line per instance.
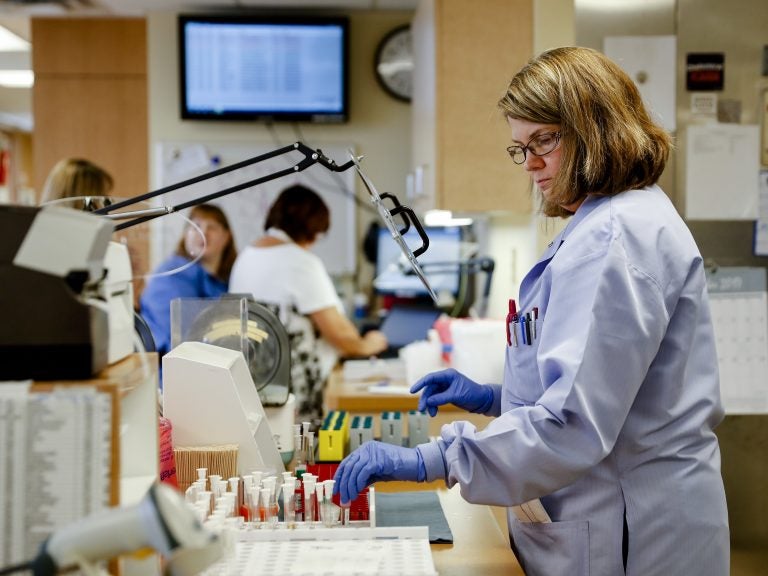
374	395
480	544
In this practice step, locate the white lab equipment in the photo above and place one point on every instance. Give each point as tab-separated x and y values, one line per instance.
53	324
161	520
210	397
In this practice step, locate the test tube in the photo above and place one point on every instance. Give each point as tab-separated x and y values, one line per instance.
305	443
298	497
309	504
270	484
225	504
328	505
319	491
311	448
252	501
216	486
190	494
206	497
265	510
288	505
297	445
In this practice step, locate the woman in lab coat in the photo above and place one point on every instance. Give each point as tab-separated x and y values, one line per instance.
603	445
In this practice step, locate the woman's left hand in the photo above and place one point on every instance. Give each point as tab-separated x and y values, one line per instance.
376	461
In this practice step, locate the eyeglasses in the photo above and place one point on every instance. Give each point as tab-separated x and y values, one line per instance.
540	145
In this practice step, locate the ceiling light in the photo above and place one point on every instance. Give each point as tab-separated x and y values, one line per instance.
10	42
444	218
17	78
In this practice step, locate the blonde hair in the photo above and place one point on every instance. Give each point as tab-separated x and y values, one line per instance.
609	142
74	177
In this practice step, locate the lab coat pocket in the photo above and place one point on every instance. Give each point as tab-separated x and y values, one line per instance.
522	379
552	548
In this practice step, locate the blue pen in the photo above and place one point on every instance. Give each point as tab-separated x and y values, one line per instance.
522	327
528	327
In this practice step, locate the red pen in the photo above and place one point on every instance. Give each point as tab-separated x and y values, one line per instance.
512	319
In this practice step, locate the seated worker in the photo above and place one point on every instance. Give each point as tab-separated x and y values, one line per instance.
279	269
182	277
76	177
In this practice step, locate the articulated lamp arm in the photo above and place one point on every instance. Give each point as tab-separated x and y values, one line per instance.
309	158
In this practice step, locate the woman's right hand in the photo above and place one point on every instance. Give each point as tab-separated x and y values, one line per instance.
452	387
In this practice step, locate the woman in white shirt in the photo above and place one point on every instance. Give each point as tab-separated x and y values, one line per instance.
279	269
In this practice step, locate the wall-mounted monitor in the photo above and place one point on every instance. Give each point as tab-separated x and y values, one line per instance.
441	263
265	69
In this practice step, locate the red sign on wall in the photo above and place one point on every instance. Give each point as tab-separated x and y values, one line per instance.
705	72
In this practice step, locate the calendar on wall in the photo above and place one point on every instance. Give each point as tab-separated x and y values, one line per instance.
739	304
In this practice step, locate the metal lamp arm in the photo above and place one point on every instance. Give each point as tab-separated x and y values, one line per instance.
311	157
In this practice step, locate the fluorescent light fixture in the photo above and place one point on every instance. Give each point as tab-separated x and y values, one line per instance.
621	5
17	78
10	42
444	218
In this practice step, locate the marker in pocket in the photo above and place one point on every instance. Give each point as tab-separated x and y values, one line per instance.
511	324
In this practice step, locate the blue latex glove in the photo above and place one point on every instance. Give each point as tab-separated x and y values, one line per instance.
452	387
376	461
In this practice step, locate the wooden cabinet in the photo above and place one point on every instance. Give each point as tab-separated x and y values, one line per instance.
465	55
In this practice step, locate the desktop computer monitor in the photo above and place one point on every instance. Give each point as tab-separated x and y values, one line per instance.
441	263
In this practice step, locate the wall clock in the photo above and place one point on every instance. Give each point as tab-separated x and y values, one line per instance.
393	63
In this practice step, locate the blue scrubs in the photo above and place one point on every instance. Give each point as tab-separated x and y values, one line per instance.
607	415
155	302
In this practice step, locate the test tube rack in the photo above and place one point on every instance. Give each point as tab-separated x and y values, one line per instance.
400	550
360	432
334	436
360	508
392	428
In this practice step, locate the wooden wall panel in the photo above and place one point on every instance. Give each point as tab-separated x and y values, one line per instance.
479	48
90	101
107	46
103	120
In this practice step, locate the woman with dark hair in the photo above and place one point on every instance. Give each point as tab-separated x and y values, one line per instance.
208	277
603	446
279	269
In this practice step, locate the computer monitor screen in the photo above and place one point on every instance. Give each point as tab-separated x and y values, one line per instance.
259	68
441	263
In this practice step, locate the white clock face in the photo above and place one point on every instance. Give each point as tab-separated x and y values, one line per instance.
394	63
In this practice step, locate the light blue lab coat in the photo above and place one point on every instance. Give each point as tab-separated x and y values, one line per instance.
610	409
